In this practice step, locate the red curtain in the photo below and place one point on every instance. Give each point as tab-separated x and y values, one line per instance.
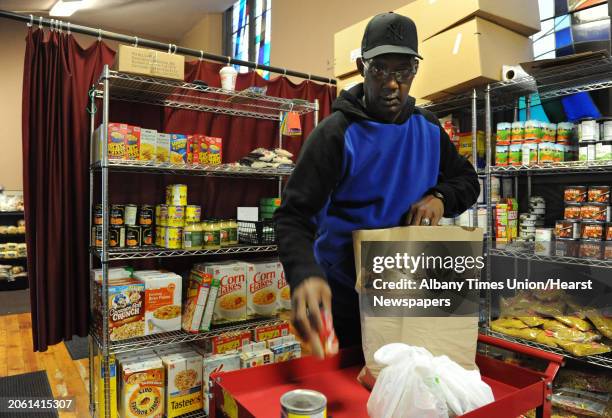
58	74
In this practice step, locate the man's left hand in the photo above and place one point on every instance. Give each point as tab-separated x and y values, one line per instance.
429	207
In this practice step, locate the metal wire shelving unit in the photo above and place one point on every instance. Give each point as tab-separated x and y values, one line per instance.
577	75
118	86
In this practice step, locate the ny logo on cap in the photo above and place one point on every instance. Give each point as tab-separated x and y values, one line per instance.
395	31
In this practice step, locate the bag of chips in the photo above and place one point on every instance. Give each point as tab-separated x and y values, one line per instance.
574	322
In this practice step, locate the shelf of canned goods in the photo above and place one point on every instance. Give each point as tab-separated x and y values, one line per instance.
526	251
180	95
563	167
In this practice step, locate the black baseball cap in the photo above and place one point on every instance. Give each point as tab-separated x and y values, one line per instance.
390	33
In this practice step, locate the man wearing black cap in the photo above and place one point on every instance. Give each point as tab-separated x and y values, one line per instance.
376	162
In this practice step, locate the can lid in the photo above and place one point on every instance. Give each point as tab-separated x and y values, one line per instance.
303	400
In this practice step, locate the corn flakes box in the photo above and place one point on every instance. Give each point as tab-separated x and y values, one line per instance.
162	148
193	149
262	289
183	383
178	149
148	142
231	303
132	144
217	363
284	292
203	150
142	388
215	150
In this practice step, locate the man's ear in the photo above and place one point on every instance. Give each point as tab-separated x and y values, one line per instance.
360	66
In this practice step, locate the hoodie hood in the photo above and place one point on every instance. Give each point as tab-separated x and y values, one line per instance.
350	103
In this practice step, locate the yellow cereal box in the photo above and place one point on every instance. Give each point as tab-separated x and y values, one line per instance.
132	144
116	141
142	388
100	372
262	289
162	148
183	383
148	141
178	149
215	150
203	150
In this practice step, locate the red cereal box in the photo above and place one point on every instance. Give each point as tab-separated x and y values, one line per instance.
193	149
228	342
269	332
215	150
203	149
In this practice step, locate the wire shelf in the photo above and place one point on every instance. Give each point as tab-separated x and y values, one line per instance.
176	337
189	96
149	252
603	360
526	251
459	102
579	76
223	170
554	168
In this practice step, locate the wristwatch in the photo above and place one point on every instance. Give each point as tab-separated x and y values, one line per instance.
437	194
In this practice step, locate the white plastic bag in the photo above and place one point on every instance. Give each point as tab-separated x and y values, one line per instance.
415	384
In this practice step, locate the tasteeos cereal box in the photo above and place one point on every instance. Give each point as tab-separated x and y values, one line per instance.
193	149
132	144
183	383
231	300
162	148
178	149
217	363
203	149
195	302
142	388
215	150
284	292
262	288
148	142
163	293
126	308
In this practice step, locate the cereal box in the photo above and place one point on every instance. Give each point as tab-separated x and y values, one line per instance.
148	142
162	301
195	302
132	144
99	373
216	364
162	148
142	388
269	332
193	149
178	149
231	301
210	305
255	354
183	383
285	348
284	292
125	308
203	149
229	341
215	150
262	289
117	141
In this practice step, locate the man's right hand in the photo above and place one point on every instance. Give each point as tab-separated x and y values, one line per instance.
307	299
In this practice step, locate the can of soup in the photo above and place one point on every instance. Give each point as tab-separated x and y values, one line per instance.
303	403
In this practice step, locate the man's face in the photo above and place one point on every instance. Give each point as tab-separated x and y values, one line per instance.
387	83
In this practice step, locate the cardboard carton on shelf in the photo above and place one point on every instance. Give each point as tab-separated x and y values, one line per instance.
467	56
149	62
437	16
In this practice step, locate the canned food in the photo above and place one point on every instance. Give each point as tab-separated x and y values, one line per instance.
160	236
163	215
529	152
96	236
130	214
546	151
592	231
572	211
599	194
116	237
605	129
98	215
147	236
302	403
595	212
176	216
607	251
518	131
575	194
145	217
193	214
176	195
133	236
591	250
588	130
158	214
608	231
567	230
117	215
543	234
501	155
515	156
174	238
525	223
567	248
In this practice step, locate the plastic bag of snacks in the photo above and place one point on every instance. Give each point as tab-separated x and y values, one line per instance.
580	402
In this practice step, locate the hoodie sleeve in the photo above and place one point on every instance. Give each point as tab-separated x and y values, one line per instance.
317	172
457	181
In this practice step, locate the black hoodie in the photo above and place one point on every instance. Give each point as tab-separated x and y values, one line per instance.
355	172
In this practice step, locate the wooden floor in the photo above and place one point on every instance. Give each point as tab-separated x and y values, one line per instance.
68	378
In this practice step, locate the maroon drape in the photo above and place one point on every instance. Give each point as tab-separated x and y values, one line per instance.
57	76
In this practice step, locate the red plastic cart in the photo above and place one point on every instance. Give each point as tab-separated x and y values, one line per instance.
256	392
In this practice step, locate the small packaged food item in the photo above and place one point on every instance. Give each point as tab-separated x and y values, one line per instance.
501	155
574	322
195	301
285	348
572	211
580	402
178	149
515	157
546	152
193	149
162	148
203	150
567	229
591	250
510	323
229	341
148	142
530	334
601	322
518	131
183	383
532	321
571	334
575	194
544	338
265	333
529	153
132	148
504	132
599	194
588	130
215	150
327	335
533	130
595	212
255	354
592	231
217	363
584	349
142	388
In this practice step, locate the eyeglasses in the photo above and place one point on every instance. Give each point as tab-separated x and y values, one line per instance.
382	74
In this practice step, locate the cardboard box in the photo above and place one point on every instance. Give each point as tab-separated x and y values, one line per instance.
132	144
162	148
209	309
215	150
284	292
216	364
436	16
163	293
467	56
269	332
183	383
149	62
262	289
100	372
285	348
148	141
255	354
142	378
117	141
195	301
178	149
231	302
126	309
229	342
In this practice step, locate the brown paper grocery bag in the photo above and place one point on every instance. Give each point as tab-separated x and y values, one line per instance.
455	337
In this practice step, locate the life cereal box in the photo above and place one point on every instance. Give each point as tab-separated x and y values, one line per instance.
148	141
262	289
178	149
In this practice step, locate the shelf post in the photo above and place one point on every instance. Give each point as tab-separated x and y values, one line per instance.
488	200
280	145
475	150
92	117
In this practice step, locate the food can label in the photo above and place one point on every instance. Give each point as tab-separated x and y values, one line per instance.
192	239
147	235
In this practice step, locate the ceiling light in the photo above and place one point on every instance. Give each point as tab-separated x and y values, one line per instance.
65	8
